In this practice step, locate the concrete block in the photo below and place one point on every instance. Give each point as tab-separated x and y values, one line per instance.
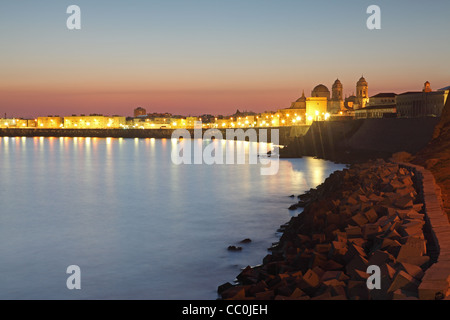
380	257
369	231
359	219
353	232
404	202
403	281
357	290
412	249
371	215
413	270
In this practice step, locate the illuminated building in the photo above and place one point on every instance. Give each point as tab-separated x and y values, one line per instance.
422	103
362	93
8	123
94	122
49	122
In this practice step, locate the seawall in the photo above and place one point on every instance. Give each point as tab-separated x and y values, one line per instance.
358	140
436	281
285	133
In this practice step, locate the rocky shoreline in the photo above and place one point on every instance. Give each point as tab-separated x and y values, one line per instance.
370	214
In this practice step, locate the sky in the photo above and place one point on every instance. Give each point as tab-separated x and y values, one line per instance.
193	57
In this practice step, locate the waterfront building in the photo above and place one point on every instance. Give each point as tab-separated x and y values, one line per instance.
94	122
115	122
50	122
382	99
323	103
422	103
291	116
8	123
380	111
17	123
26	123
223	123
381	105
190	121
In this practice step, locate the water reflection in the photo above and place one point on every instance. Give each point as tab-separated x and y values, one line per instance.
121	209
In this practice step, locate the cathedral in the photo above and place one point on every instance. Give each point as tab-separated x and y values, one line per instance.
323	102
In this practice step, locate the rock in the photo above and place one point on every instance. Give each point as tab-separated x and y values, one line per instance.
369	231
411	250
380	257
371	215
234	248
265	295
338	249
412	270
261	286
224	287
337	275
298	293
323	248
235	292
359	275
404	202
404	281
247	240
357	290
359	219
318	237
332	265
309	282
357	263
353	232
411	228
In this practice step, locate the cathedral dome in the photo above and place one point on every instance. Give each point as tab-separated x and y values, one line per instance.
320	91
302	98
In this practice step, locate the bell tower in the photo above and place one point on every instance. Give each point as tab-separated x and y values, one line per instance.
362	92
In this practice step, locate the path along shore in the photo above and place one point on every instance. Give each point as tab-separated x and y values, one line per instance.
373	213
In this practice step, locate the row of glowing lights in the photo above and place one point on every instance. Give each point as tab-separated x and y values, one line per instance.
283	121
61	125
297	119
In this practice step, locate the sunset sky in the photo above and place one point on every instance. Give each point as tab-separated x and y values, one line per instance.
211	56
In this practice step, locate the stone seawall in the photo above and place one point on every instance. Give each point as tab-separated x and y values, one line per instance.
350	141
376	213
284	133
436	281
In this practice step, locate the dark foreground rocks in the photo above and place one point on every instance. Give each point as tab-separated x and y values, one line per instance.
367	215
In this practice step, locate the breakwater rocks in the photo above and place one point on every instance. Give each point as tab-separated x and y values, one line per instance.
370	214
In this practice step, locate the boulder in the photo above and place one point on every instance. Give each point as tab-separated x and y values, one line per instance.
404	281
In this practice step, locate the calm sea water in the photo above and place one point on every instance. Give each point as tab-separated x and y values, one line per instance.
138	226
